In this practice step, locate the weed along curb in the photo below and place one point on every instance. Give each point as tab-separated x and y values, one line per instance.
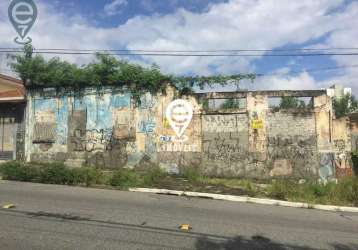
246	199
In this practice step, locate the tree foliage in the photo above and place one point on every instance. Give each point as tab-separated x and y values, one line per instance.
231	104
290	102
345	105
36	72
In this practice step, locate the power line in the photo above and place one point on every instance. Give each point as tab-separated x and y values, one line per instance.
185	51
310	70
185	54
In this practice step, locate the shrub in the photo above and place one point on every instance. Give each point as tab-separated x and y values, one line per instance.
56	173
87	175
51	173
154	175
17	171
125	178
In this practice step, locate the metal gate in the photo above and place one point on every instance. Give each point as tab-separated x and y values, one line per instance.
7	138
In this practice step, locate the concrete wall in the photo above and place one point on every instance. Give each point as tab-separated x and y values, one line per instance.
292	145
354	134
105	128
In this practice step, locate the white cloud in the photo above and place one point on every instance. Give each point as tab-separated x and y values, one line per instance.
114	7
245	24
286	82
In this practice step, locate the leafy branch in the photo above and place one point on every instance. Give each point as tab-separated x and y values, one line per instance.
36	72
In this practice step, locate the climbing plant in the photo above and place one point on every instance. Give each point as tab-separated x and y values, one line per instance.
37	72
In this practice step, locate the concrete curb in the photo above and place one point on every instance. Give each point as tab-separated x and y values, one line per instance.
246	199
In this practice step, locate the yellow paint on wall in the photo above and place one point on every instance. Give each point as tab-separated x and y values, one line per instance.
257	124
140	141
166	123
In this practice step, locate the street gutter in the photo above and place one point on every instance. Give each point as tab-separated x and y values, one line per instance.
247	199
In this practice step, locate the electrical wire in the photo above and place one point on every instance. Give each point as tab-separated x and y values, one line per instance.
187	51
185	54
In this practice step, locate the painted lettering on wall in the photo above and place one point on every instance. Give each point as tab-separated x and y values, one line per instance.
146	126
220	123
224	149
179	147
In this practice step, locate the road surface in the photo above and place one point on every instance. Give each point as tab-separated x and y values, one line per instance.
62	217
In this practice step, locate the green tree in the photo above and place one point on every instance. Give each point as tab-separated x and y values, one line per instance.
36	72
290	102
345	105
230	104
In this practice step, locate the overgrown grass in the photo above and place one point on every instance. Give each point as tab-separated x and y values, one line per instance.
51	173
345	192
153	176
192	174
125	178
58	173
355	162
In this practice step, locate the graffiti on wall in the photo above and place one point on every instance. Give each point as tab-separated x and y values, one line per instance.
124	124
225	143
111	131
44	133
92	140
220	123
326	169
342	159
146	125
45	127
221	148
289	153
147	101
179	147
98	140
120	101
355	142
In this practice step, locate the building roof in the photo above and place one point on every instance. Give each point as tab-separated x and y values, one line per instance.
11	89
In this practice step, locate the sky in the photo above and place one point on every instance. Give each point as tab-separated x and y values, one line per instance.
205	25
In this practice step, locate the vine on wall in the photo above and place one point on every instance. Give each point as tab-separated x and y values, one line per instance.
37	73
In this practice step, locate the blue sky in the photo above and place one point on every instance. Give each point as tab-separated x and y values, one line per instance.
206	25
122	10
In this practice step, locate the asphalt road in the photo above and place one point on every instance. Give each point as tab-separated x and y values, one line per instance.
61	217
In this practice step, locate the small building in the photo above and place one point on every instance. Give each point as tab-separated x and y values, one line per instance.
12	106
338	91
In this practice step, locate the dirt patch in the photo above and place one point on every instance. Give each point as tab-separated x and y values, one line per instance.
184	185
